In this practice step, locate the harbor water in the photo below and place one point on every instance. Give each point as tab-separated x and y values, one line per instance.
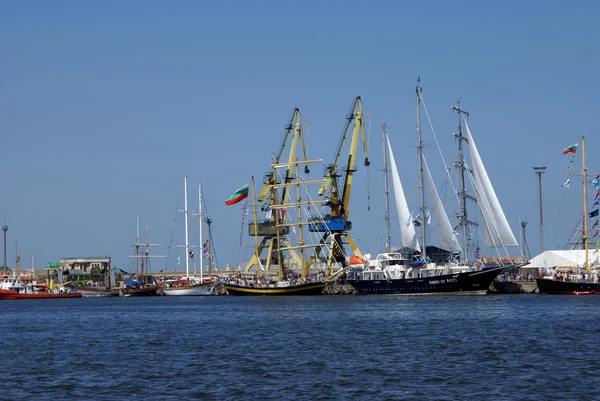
511	347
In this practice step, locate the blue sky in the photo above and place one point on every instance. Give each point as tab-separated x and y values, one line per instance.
106	105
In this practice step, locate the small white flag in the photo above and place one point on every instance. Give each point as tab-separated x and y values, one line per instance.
566	184
178	259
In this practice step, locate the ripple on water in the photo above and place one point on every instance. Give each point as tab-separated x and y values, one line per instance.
314	348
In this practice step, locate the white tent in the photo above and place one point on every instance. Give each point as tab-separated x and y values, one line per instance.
563	258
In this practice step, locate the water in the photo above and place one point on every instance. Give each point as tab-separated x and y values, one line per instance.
521	347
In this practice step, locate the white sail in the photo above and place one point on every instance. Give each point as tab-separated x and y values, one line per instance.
497	231
446	234
407	230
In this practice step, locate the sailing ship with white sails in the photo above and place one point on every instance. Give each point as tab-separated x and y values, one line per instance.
410	271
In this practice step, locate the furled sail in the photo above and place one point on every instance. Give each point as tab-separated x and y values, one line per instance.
407	230
446	234
497	231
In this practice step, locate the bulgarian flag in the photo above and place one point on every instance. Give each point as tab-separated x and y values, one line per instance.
238	196
571	149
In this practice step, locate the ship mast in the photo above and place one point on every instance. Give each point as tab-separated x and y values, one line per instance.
585	215
464	221
201	248
137	245
185	218
388	238
256	249
422	209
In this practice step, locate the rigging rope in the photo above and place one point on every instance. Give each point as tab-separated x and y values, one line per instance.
438	145
244	212
172	232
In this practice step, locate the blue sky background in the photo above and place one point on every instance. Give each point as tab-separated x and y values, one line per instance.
105	106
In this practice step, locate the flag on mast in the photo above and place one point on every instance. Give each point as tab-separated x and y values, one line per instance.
238	196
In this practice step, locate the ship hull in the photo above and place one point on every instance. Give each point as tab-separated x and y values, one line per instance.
477	282
140	292
190	290
7	294
302	289
555	287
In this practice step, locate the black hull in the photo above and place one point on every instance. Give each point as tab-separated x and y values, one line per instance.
477	282
302	289
546	286
140	292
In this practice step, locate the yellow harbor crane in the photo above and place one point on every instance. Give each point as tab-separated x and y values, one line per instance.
335	226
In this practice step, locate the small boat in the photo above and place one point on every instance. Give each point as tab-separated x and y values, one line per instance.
188	286
16	288
137	289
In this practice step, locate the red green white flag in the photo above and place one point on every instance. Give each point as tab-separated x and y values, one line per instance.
571	149
238	196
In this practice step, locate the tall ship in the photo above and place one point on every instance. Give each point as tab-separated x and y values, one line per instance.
580	280
410	270
144	283
188	285
298	249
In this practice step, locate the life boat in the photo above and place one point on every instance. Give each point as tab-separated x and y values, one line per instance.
356	262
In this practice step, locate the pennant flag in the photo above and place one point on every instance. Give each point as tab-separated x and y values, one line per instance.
205	249
597	195
191	254
570	149
566	184
595	224
597	250
596	203
178	259
596	242
477	253
238	196
594	213
596	234
428	217
596	181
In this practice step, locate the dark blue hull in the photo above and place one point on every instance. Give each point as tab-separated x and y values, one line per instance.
477	282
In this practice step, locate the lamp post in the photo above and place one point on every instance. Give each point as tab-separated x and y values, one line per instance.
539	170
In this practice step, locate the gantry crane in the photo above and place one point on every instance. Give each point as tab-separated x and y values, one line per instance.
335	226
